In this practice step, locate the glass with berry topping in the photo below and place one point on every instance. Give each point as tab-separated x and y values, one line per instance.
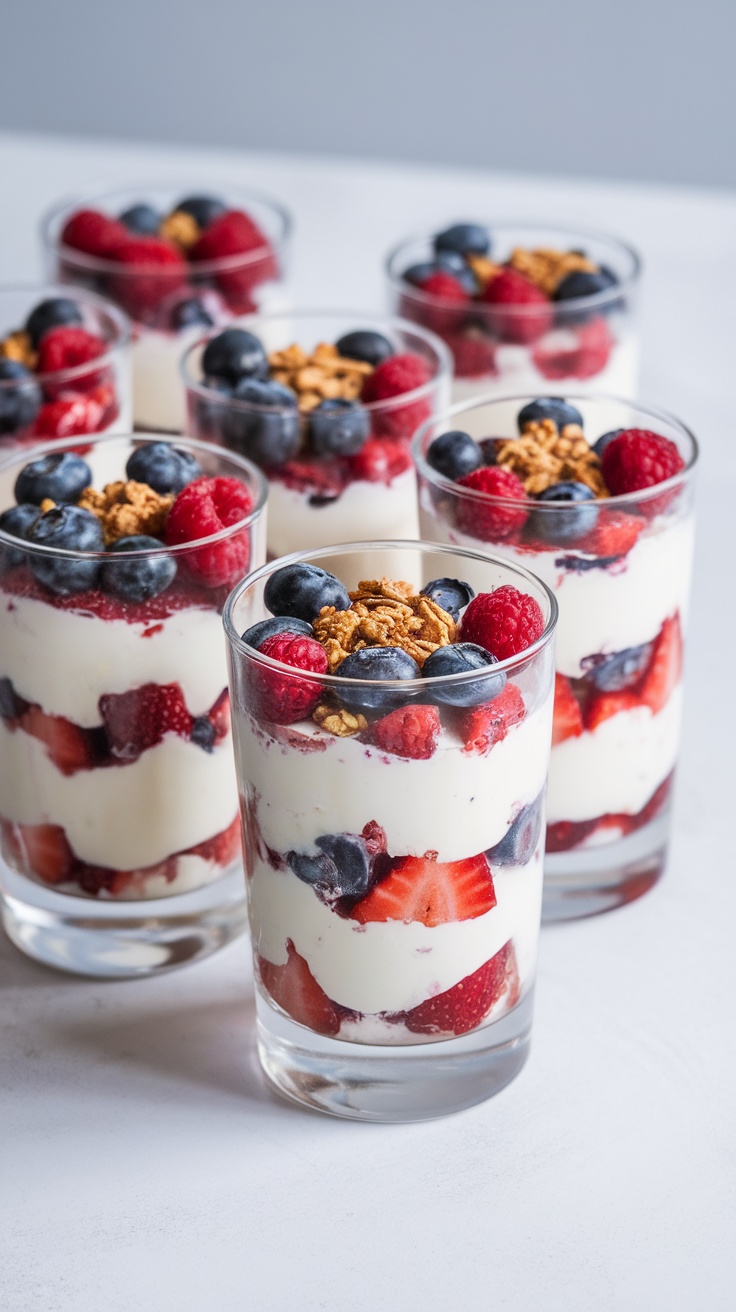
392	777
326	404
64	365
119	821
178	260
524	307
595	495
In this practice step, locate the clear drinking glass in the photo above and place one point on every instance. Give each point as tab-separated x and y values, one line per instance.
118	805
622	589
427	1009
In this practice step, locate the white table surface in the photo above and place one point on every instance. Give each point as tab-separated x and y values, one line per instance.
144	1164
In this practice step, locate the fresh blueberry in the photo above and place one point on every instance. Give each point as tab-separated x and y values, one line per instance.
203	733
18	522
137	579
564	525
53	313
166	468
364	344
416	274
268	431
600	446
190	313
302	590
490	447
549	407
141	219
519	843
71	529
579	284
10	703
449	262
376	664
454	454
234	354
341	869
621	670
464	239
451	594
459	658
20	397
61	477
203	209
338	427
257	634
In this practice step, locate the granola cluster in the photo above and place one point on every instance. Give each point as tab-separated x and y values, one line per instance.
384	613
127	508
181	229
543	456
18	347
325	375
546	267
339	721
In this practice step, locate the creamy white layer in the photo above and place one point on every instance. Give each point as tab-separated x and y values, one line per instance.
363	510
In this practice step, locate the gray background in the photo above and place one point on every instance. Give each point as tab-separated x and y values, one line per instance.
635	89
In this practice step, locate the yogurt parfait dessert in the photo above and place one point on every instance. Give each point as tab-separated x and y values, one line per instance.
392	773
524	307
118	802
596	497
178	260
326	404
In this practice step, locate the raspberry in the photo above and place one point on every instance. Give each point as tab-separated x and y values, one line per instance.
206	506
393	377
492	521
67	347
579	354
409	731
443	318
380	460
505	621
284	698
69	416
235	233
534	315
474	355
157	270
637	459
94	233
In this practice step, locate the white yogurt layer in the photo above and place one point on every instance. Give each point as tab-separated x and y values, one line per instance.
158	390
456	803
363	510
618	767
125	817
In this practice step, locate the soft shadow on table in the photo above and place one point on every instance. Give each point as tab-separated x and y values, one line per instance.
17	971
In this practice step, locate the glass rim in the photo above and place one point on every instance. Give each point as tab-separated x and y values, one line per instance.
176	549
598	300
120	321
408	686
475	494
430	339
222	264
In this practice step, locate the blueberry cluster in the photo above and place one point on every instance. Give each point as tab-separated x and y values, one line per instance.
20	393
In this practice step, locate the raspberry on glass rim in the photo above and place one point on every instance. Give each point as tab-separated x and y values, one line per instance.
116	775
391	776
595	495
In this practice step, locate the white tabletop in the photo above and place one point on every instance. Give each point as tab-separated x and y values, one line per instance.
143	1162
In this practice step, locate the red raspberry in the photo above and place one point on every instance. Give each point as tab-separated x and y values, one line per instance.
534	316
157	270
67	347
380	460
637	459
203	507
579	354
398	374
94	233
409	731
504	621
283	698
70	416
316	475
446	317
497	520
235	233
474	355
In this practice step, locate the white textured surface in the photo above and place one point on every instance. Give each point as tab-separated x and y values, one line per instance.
143	1162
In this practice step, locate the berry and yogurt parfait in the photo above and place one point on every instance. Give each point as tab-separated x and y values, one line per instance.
118	804
524	307
392	771
326	404
178	260
595	495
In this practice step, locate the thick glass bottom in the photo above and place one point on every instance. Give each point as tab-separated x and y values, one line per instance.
590	880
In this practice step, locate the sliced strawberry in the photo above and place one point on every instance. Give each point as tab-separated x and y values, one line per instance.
482	727
66	744
430	892
615	533
459	1009
608	704
47	852
568	717
294	989
137	720
665	669
222	848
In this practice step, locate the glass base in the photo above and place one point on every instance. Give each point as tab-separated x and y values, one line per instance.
590	880
121	940
415	1082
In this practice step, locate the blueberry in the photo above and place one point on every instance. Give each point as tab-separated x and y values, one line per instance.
338	427
364	344
302	590
564	525
234	354
416	274
18	522
600	446
578	284
454	454
166	468
71	529
448	262
451	594
141	219
490	447
53	313
270	432
376	664
257	634
20	396
549	407
10	703
458	658
341	869
141	579
519	843
621	670
61	477
190	313
203	209
464	238
203	733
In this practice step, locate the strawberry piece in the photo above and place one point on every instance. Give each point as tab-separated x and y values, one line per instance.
294	988
393	377
203	507
66	347
607	704
496	520
665	668
615	533
418	889
380	460
522	313
474	355
67	745
47	852
222	848
94	233
410	731
219	715
481	727
69	415
154	270
504	621
568	717
638	459
579	353
283	698
461	1008
139	719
